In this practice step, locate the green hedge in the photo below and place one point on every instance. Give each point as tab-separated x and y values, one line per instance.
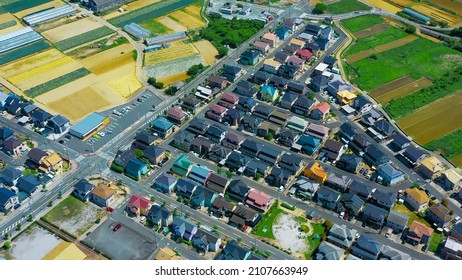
7	24
23	51
57	82
290	207
117	168
83	38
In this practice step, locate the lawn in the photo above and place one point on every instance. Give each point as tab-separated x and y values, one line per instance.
155	27
412	215
360	23
313	242
435	241
416	59
346	6
264	228
388	35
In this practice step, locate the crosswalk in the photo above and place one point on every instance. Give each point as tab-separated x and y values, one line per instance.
79	158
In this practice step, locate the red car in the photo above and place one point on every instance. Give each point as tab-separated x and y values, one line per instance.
116	228
110	209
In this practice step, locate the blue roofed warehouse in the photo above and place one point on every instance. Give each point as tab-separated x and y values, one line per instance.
89	125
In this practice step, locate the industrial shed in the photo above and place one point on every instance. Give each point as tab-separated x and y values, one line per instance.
165	38
49	14
89	125
137	31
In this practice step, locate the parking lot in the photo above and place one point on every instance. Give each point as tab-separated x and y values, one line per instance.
255	12
122	244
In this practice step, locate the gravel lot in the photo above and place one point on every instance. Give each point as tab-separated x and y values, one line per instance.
285	230
34	244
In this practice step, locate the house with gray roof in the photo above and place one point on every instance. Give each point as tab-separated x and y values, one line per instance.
414	155
305	188
390	253
160	216
341	236
288	100
269	155
349	163
363	190
327	197
384	200
206	241
237	161
219	154
232	251
352	203
9	176
374	216
327	251
182	140
397	221
184	228
338	182
367	248
82	190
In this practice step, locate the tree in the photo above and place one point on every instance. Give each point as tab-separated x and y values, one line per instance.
219	170
30	217
445	202
409	28
195	69
257	176
18	226
153	82
229	174
171	90
6	236
6	245
415	185
139	153
328	224
238	240
199	224
320	8
269	136
152	198
164	203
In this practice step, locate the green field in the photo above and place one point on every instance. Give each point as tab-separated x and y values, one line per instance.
83	38
435	241
314	242
360	23
346	6
388	35
449	146
155	27
14	6
57	82
416	59
265	227
21	52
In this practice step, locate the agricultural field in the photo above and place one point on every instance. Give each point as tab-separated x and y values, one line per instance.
173	66
126	85
449	146
436	13
176	50
378	28
156	27
346	6
207	51
73	29
110	60
15	6
402	3
8	23
23	51
381	48
384	5
97	47
49	4
388	35
168	80
80	39
129	7
173	25
189	18
361	23
21	66
451	5
399	88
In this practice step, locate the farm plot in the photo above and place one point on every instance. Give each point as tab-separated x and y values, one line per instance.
435	120
176	50
388	35
436	13
125	86
393	85
23	51
156	27
135	5
407	89
173	25
375	29
382	4
457	159
78	40
207	51
14	6
168	80
49	4
402	3
346	6
71	30
8	23
360	23
27	64
187	20
381	48
108	60
172	67
451	5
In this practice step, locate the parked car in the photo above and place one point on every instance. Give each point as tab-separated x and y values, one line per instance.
117	227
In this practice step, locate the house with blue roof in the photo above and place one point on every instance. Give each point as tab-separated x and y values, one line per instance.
309	144
367	248
58	124
8	200
249	57
202	197
186	187
5	134
200	174
162	127
269	93
12	104
184	228
390	174
82	190
9	176
40	117
3	98
28	184
181	166
327	197
282	32
165	183
136	168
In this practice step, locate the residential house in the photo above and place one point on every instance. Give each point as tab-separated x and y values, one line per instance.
384	128
218	154
316	172
199	174
58	124
367	248
323	43
291	163
103	195
14	147
261	77
262	111
290	49
300	44
246	88
233	141
215	133
28	184
176	115
319	83
232	251
122	157
347	132
452	249
320	111
397	221
271	66
278	177
341	236
202	197
139	205
286	137
165	183
260	201
201	145
136	168
101	5
261	47
419	233
52	163
237	161
204	93
282	32
450	179
269	93
233	117
288	100
440	215
160	216
8	200
35	158
249	57
181	166
371	117
313	29
238	190
307	144
297	62
305	188
358	144
281	57
332	150
217	183
304	54
430	167
182	140
269	155
289	24
327	33
279	82
414	155
456	232
217	82
327	251
361	189
191	103
186	187
384	200
308	38
331	61
82	190
302	105
184	228
206	241
297	87
198	126
297	124
243	215
5	134
338	182
374	216
327	197
279	118
337	85
400	141
251	148
232	73
270	39
346	97
317	130
228	100
222	207
390	174
362	104
349	162
12	104
352	203
40	117
373	156
417	199
287	71
256	166
154	154
246	104
144	139
162	127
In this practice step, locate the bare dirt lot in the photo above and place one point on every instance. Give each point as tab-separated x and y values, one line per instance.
34	244
72	29
286	232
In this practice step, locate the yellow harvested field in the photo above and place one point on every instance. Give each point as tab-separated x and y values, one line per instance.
40	70
176	50
125	86
38	8
108	60
452	5
407	89
29	63
168	80
6	17
66	90
436	13
170	23
72	29
207	51
385	47
188	21
130	7
383	5
403	3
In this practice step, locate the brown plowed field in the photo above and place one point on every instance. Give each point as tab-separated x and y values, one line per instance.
375	29
407	89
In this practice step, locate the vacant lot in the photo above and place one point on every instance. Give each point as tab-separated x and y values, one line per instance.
436	13
207	51
286	231
72	29
34	244
361	23
387	36
346	6
409	88
375	29
176	50
74	216
172	67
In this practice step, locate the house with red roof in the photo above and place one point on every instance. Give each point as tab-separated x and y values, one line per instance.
139	205
228	100
320	111
262	47
176	115
271	39
304	54
419	233
258	200
216	112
